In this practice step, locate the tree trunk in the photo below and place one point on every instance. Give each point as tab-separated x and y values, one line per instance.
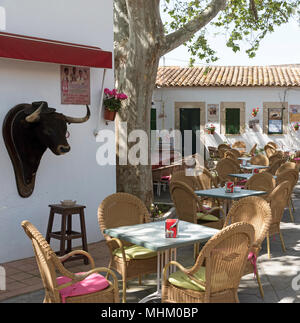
136	62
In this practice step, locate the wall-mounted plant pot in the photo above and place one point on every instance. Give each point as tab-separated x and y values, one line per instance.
109	115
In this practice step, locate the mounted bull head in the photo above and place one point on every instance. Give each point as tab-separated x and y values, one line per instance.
28	130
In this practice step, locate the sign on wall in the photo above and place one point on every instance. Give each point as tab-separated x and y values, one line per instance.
254	125
75	85
212	113
295	113
275	120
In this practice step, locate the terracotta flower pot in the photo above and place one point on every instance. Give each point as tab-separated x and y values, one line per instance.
109	115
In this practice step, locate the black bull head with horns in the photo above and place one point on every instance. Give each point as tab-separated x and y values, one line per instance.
28	130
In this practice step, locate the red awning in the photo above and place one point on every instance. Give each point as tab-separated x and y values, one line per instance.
52	51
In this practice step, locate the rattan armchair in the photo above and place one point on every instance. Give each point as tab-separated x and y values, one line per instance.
225	167
292	176
252	150
122	209
188	204
278	200
259	159
256	211
286	166
49	264
216	274
274	166
270	149
261	182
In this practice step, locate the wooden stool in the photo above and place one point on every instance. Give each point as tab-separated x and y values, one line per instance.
66	233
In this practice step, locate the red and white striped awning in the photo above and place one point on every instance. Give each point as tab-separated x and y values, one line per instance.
52	51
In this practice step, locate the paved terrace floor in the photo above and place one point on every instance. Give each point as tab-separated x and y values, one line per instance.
24	284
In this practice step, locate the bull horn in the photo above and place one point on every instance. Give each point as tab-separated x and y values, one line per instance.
79	120
35	116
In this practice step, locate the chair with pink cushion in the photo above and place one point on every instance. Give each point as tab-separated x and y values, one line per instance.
83	287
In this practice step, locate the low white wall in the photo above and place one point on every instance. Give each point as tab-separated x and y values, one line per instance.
253	97
75	175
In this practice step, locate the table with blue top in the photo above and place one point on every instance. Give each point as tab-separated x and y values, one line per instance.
244	175
152	236
252	167
222	194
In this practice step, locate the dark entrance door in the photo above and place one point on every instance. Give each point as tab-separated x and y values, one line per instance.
189	120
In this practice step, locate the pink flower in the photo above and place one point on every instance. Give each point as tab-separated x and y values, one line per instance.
122	96
107	91
114	92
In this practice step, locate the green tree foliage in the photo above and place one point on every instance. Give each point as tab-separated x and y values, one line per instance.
243	21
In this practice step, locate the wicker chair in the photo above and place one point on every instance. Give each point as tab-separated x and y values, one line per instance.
278	200
49	264
286	166
256	211
241	145
122	209
182	176
224	167
252	150
269	150
216	274
292	176
224	146
274	167
188	204
259	159
273	144
261	182
230	154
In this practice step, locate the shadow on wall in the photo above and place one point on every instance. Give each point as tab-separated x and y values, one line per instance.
291	140
2	19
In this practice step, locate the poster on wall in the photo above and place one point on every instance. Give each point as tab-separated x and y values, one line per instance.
75	85
212	113
275	120
254	125
294	113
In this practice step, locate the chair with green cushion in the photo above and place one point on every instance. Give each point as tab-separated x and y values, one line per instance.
187	204
217	272
131	261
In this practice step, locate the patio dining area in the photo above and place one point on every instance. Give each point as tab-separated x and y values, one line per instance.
210	213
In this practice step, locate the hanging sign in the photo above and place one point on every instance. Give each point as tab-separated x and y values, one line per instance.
75	85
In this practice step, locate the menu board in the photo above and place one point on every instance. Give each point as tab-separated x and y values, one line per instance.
75	85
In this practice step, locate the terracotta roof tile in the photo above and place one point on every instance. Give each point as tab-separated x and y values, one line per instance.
274	75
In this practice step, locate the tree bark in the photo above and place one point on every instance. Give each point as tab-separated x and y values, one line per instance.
140	41
136	64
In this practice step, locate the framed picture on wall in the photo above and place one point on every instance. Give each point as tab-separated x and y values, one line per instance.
275	121
212	113
294	113
75	85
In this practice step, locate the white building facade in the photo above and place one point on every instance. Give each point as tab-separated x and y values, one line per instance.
183	88
75	175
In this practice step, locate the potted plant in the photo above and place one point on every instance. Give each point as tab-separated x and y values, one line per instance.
296	126
112	103
211	129
254	112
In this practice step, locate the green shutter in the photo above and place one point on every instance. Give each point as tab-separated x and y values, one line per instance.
153	119
232	121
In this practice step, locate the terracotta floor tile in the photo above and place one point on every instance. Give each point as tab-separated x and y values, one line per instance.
22	276
15	286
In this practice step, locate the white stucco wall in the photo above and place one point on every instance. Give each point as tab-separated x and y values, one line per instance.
253	97
75	175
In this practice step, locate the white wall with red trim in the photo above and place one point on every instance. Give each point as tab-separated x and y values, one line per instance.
75	175
253	97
